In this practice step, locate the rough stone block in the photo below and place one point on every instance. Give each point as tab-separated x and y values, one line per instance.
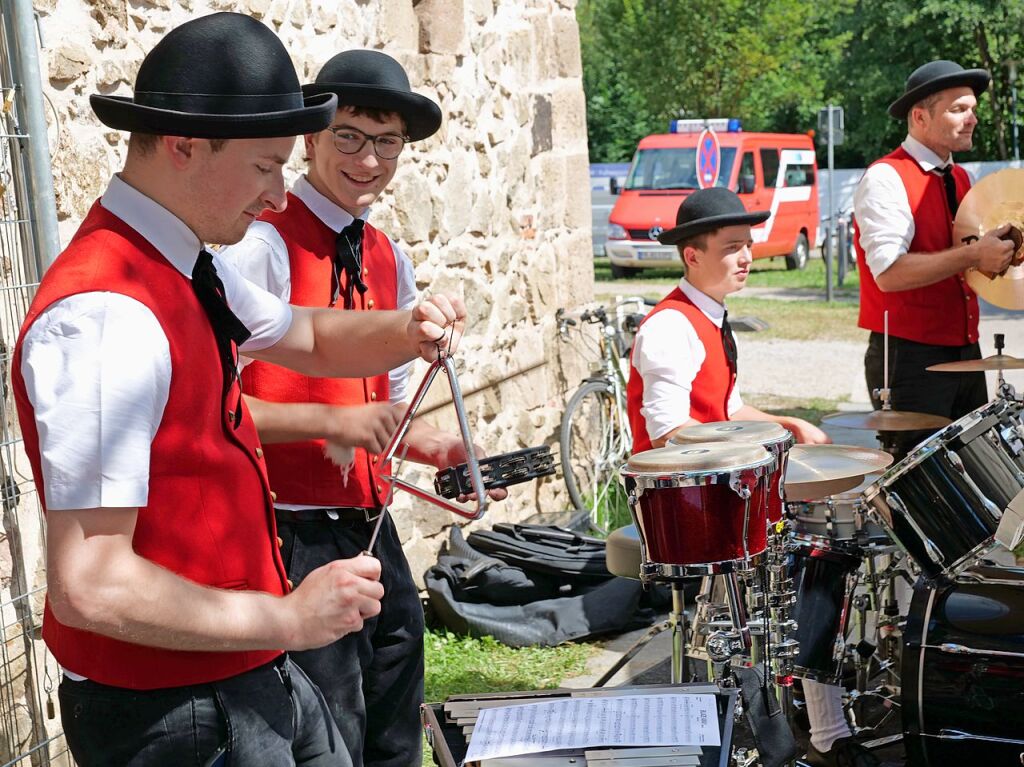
541	132
413	207
69	62
397	25
568	116
578	213
565	34
442	26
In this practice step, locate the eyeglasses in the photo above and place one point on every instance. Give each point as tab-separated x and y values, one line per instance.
386	146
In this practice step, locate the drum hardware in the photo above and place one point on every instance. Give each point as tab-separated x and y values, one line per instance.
443	362
995	200
961	735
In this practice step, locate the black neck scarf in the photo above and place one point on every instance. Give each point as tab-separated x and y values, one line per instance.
348	258
950	183
227	328
729	343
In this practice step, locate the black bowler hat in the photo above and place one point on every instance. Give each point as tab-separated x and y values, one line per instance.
225	75
373	79
709	209
937	76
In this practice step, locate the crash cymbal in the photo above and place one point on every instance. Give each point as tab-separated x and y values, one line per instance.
887	420
995	200
697	457
814	471
994	362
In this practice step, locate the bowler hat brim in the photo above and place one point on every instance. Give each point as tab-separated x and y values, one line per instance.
976	79
421	115
709	223
122	113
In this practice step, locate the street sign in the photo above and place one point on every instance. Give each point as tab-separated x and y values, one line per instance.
833	126
709	159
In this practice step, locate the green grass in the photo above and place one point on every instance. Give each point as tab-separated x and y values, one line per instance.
457	664
765	273
800	320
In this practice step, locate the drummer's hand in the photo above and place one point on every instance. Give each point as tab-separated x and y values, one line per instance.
453	453
437	322
991	253
807	433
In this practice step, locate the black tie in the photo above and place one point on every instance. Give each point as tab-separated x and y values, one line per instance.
950	183
729	342
348	257
227	328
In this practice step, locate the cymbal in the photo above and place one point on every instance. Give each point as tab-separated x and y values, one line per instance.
995	200
697	457
887	420
814	471
994	362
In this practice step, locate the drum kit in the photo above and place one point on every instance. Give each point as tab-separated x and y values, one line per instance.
800	549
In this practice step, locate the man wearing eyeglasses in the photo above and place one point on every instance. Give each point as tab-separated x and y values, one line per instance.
323	437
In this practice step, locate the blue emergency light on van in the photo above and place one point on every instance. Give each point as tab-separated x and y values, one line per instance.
697	124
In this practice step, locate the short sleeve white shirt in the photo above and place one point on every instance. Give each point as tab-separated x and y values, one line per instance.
97	368
262	257
882	209
668	354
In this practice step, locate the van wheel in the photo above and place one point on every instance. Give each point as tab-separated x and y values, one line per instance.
623	272
798	258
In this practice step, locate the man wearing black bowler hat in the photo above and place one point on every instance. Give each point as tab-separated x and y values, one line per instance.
683	369
168	604
909	266
323	438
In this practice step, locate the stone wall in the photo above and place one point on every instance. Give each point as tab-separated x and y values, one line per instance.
495	206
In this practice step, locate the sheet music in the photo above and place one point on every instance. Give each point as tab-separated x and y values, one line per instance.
628	720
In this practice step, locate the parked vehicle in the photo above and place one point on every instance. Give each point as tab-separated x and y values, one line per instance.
769	171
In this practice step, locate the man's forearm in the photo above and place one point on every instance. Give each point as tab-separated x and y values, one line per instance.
429	445
134	600
289	421
918	270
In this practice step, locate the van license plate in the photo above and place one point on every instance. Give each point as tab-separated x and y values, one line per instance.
650	255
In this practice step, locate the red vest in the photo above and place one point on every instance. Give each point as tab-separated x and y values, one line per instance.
944	313
709	395
209	518
300	473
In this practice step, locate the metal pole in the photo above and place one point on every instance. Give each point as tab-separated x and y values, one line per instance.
23	32
830	244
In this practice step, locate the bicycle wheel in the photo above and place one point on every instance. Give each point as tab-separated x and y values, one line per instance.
594	442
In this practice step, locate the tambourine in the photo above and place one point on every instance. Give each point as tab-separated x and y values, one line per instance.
497	471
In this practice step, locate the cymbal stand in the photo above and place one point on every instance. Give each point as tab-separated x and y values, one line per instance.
1004	390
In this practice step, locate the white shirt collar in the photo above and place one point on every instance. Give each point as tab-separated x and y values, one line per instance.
925	157
334	217
713	310
161	228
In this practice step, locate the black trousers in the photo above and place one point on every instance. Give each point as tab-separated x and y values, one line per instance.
922	391
372	680
270	715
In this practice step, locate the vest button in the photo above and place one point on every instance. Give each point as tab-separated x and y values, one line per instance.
369	304
280	542
290	584
380	489
259	452
373	395
273	495
374	459
366	271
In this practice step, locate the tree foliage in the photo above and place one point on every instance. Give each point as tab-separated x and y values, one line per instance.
775	63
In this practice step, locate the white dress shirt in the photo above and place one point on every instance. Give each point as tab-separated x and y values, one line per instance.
882	208
97	368
262	257
668	355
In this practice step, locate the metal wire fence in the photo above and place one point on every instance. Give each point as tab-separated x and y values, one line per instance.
30	731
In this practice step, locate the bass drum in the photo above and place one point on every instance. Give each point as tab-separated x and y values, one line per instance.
963	670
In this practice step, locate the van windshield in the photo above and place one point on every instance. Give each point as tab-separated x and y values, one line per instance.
674	168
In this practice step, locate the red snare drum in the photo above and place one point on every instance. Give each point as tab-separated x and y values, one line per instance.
701	508
773	437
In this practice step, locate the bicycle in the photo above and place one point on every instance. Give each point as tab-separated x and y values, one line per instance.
595	438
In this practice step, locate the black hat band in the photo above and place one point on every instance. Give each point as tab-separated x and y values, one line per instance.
235	104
